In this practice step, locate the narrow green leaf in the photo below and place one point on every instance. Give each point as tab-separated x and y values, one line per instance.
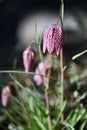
39	123
74	58
59	115
78	55
68	125
79	116
75	115
82	125
69	116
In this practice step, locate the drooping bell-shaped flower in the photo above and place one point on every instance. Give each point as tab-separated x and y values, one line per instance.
53	39
28	57
5	95
42	69
10	88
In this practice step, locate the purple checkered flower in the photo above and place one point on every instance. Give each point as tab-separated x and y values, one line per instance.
53	39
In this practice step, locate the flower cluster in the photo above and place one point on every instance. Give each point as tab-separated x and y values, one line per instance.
52	41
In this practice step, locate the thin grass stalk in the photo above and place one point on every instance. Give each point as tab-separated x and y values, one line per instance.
62	82
61	61
38	41
48	109
46	83
47	101
23	72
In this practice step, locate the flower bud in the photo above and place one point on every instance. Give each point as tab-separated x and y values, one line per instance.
5	95
28	57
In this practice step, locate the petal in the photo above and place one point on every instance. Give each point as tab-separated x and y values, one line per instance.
37	78
50	40
41	68
44	42
26	62
58	40
57	50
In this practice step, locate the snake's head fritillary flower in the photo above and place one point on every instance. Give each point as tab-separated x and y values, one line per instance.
42	69
53	39
28	58
5	95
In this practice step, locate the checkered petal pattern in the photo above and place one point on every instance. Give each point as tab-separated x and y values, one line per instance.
53	39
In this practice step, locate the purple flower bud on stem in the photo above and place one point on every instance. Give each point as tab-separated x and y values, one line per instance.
53	39
28	57
5	95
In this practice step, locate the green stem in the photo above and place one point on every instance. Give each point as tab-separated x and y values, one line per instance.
61	61
62	82
48	109
23	72
38	41
39	49
47	100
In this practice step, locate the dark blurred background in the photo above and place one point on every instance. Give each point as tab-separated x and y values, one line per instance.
17	19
